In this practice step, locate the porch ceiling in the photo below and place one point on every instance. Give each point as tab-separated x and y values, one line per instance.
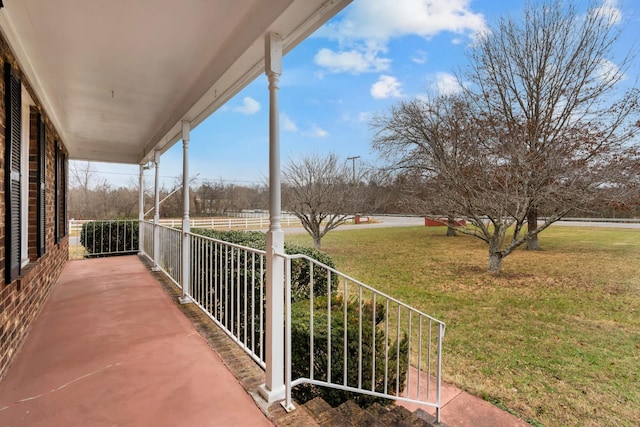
117	77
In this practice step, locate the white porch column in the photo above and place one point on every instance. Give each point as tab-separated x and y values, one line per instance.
186	226
274	389
140	208
156	213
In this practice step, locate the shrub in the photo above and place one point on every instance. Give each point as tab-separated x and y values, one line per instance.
109	238
300	271
301	350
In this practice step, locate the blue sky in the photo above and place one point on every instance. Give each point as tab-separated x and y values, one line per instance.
371	55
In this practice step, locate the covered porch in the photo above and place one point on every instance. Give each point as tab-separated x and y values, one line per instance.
111	348
123	85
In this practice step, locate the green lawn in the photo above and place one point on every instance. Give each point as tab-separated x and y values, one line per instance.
553	338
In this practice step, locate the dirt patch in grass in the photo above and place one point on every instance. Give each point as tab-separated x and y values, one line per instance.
554	338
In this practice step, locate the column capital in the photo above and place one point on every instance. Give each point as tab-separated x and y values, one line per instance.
186	129
273	54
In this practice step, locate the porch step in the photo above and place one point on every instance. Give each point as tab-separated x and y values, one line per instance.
349	414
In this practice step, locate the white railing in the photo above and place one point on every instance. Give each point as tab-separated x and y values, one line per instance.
169	249
146	238
170	253
346	335
360	340
228	284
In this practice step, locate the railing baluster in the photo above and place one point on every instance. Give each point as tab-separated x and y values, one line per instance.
398	353
409	356
226	288
419	356
429	365
312	336
253	302
329	327
245	297
386	345
373	345
262	314
360	336
345	339
238	285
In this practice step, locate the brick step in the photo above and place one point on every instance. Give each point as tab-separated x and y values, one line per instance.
349	414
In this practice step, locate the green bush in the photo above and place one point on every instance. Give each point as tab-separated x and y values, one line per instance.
109	238
301	350
300	271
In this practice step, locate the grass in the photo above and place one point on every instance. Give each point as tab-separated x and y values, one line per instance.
553	338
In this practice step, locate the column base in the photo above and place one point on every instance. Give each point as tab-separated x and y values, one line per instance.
156	268
185	300
271	395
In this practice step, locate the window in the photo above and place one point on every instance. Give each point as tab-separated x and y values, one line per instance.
24	176
56	196
13	128
41	197
18	130
60	197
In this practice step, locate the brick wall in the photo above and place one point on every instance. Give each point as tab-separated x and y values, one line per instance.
21	300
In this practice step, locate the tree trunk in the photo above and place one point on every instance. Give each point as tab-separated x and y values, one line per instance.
451	229
495	261
316	241
532	225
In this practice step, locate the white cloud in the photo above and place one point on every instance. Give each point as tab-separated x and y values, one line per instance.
249	106
386	87
288	125
608	72
609	9
445	84
352	61
420	57
317	132
365	116
368	25
381	20
357	118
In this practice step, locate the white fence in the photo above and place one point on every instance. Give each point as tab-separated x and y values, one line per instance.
230	223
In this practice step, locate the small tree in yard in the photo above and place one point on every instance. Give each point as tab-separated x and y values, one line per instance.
322	192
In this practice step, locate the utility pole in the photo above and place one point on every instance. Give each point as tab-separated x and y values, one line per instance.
353	166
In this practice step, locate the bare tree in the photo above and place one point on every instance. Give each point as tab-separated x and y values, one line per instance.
459	160
322	192
552	76
84	182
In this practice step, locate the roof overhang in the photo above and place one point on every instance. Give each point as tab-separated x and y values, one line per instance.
117	78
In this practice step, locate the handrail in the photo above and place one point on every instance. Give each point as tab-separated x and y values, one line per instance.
387	374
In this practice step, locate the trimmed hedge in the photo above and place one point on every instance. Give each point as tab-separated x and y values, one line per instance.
300	272
109	238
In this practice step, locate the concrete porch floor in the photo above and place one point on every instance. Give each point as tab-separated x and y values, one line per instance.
111	348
